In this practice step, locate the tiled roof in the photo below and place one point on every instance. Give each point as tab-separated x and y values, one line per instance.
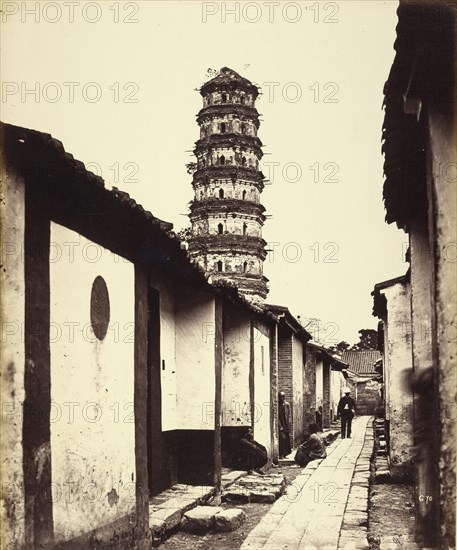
228	78
423	69
362	362
229	75
282	311
71	193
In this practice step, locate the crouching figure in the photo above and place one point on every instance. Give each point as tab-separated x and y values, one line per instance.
248	455
312	448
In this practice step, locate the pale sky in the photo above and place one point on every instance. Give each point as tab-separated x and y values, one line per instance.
132	120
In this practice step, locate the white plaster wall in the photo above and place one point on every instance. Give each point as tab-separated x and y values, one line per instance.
231	189
168	377
195	354
319	382
262	383
336	385
386	370
297	386
92	389
443	166
12	359
399	398
233	225
235	263
421	298
236	409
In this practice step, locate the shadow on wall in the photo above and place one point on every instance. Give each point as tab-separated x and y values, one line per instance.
195	455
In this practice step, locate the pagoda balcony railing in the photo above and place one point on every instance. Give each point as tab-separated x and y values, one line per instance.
227	204
233	139
229	171
227	243
229	108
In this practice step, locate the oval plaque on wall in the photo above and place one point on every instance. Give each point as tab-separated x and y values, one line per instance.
99	307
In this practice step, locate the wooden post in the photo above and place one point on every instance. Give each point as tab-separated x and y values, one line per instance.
141	408
218	356
274	393
251	374
36	441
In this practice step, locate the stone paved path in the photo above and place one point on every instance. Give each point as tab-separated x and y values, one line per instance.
310	515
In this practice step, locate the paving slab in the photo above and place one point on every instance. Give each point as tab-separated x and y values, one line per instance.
229	477
171	517
229	520
200	519
310	514
255	488
167	508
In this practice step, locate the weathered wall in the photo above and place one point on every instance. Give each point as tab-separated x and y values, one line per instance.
274	393
232	96
297	383
236	409
326	396
241	225
235	264
12	358
92	388
241	189
368	397
285	373
262	419
226	156
336	384
319	382
425	406
443	193
309	387
398	367
195	333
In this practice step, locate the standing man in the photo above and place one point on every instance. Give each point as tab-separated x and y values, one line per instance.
284	416
346	411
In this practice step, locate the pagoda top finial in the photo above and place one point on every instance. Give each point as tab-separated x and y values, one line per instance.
228	79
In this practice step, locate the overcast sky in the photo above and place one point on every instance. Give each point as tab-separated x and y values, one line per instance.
116	83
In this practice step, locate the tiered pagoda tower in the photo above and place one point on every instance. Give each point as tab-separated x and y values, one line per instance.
226	213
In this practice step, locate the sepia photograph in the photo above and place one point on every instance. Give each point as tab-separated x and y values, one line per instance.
228	278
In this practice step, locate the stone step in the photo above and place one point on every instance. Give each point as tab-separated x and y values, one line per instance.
382	476
167	508
229	477
199	520
202	519
229	520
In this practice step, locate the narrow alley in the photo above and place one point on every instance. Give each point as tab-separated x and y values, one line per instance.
326	506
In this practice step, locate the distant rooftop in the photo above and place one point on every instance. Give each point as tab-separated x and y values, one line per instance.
362	362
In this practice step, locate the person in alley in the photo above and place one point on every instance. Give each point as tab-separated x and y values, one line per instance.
346	412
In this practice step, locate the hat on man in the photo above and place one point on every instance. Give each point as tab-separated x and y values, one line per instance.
346	390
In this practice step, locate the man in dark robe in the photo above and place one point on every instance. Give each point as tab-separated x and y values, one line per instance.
312	448
284	416
346	411
248	455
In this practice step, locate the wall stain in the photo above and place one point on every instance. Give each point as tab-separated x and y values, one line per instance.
113	497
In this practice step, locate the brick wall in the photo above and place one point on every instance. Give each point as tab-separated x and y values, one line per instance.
368	397
274	393
326	397
285	373
309	387
298	372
